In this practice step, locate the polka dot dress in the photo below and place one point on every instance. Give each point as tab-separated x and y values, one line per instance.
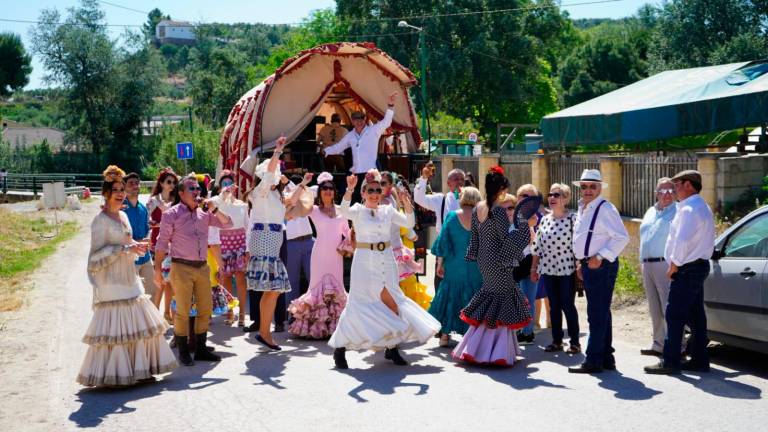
497	246
554	247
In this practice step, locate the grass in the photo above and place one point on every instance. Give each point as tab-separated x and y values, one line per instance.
24	244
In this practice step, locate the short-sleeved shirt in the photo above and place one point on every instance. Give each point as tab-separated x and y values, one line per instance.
138	216
554	245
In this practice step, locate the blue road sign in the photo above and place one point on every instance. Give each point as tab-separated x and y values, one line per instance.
184	150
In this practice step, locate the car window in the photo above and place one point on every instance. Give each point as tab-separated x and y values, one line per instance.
751	239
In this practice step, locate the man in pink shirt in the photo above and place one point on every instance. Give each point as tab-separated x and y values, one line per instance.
184	235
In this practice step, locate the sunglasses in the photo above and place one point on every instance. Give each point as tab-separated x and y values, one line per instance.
193	188
384	183
170	182
227	183
666	191
524	196
327	187
590	186
554	195
373	191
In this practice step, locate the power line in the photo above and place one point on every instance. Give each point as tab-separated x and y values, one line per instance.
123	7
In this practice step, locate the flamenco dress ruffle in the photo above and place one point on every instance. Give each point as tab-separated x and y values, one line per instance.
317	312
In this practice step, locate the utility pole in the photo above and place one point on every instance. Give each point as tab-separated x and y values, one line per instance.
423	60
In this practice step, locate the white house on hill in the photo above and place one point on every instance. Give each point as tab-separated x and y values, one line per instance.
175	32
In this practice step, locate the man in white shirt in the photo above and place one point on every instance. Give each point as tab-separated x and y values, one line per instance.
364	142
440	203
599	236
688	250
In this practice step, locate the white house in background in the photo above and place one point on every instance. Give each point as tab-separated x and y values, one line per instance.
175	32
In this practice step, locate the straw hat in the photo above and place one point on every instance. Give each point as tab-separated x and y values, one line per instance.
590	175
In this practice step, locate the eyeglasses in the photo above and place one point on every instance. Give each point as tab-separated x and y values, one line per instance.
170	182
193	188
589	186
227	183
373	191
524	196
554	195
666	191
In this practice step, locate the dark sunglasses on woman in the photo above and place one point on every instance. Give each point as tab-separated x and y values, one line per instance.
373	191
554	195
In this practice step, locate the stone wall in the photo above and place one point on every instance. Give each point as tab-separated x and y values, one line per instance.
736	175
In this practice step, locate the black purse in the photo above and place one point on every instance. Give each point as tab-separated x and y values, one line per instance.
523	271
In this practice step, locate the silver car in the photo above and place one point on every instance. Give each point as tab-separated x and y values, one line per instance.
736	291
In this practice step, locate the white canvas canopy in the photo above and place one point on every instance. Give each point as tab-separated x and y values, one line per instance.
332	78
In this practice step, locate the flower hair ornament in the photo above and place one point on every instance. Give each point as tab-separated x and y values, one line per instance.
372	176
496	170
164	171
324	177
113	174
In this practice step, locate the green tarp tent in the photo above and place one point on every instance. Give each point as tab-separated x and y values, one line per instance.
669	104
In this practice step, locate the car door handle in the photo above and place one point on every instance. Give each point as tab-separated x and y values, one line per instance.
747	273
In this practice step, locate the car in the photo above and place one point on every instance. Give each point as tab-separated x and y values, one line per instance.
736	291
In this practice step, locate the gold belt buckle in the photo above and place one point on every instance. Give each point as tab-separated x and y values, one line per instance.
380	246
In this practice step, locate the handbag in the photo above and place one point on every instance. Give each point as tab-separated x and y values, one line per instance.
578	284
523	271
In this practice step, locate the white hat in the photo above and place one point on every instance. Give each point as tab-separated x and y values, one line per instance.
261	170
590	175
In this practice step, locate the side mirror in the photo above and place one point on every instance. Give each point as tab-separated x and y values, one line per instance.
717	254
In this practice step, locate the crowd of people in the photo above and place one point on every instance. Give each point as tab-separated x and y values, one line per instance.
200	247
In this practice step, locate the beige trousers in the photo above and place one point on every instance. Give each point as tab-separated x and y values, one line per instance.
186	281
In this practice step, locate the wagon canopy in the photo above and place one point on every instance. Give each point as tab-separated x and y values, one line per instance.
332	78
669	104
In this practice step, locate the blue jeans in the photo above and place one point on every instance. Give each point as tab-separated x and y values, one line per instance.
562	297
599	284
685	306
529	289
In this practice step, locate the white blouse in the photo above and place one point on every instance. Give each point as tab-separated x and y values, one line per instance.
237	210
266	205
373	226
111	269
553	246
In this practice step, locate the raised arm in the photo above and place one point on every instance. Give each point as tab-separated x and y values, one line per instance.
431	202
407	220
346	208
386	122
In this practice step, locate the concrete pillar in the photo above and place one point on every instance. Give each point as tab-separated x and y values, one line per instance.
707	166
484	163
610	168
446	165
540	172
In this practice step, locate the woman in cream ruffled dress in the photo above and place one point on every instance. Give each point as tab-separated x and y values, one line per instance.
378	315
125	337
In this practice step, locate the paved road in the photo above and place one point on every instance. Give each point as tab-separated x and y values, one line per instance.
297	389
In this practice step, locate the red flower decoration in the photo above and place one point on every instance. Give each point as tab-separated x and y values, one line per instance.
496	169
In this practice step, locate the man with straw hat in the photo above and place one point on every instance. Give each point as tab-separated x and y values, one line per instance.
598	239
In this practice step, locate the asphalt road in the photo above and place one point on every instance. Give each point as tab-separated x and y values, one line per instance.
298	390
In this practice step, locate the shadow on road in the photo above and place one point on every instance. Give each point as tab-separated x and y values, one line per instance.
624	387
269	366
98	403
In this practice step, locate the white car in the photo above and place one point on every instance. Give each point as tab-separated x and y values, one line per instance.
736	291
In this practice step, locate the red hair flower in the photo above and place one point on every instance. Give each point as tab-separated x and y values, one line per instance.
497	170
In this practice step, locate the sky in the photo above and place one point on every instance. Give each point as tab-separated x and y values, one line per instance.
229	11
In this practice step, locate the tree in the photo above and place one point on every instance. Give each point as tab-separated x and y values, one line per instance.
693	33
14	64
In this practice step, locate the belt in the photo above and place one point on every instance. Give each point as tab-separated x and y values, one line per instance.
650	260
263	227
697	262
191	263
300	238
380	246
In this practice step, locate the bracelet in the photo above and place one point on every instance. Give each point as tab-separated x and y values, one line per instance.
215	210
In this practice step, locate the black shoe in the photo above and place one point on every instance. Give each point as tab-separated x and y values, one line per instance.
203	352
585	368
267	344
279	328
609	366
254	327
525	339
173	342
692	366
651	352
340	358
660	369
394	355
182	342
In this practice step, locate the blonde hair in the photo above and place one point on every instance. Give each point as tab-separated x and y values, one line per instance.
565	190
527	187
507	198
470	196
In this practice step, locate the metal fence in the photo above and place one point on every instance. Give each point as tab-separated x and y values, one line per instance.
567	168
639	176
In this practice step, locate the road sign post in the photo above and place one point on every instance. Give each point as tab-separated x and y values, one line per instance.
185	152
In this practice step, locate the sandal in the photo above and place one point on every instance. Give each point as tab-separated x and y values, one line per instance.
553	347
574	349
445	340
241	320
230	318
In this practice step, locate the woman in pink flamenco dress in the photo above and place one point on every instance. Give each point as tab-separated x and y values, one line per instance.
316	313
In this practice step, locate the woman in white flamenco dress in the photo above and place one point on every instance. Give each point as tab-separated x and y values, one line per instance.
125	337
378	315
